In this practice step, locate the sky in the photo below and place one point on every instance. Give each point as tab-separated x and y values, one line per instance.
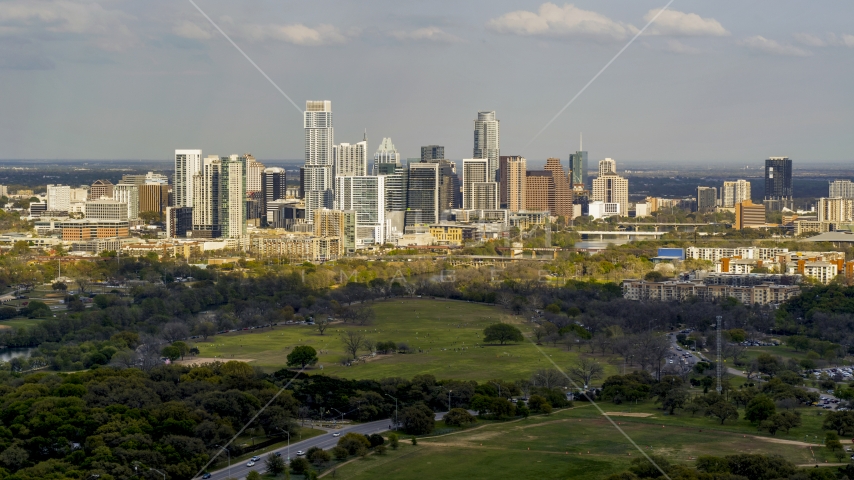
707	82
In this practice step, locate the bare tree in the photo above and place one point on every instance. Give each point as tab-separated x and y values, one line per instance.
353	342
205	329
585	370
321	324
174	331
539	334
549	378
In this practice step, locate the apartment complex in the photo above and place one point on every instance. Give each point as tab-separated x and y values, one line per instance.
678	291
735	192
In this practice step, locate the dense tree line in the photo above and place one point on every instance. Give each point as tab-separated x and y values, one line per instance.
106	420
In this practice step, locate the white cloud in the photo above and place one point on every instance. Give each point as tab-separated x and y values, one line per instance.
675	46
844	40
809	40
569	20
672	22
190	30
772	47
431	34
86	18
296	34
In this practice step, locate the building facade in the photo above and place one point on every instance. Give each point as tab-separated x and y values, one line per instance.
733	193
432	152
351	159
188	164
512	190
778	183
707	198
841	189
58	198
366	196
318	181
100	189
487	141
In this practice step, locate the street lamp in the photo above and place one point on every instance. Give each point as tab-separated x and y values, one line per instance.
229	459
395	410
289	443
497	385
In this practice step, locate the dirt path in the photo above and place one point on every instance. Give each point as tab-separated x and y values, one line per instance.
786	442
628	414
192	362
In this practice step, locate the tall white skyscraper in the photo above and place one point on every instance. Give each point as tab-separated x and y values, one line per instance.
734	193
254	169
366	196
487	141
188	163
58	198
318	177
609	187
351	160
129	194
232	193
220	191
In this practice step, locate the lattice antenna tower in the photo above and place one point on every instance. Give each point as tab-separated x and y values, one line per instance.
719	364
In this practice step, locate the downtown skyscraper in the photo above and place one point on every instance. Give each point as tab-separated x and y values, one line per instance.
778	183
487	141
318	173
188	163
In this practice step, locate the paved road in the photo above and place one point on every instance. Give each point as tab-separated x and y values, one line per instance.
325	441
686	362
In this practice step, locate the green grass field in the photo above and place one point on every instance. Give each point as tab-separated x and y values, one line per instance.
445	336
20	322
577	443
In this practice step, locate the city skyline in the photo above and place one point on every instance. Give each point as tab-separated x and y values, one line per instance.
703	79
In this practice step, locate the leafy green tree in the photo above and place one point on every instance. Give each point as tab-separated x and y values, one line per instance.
458	417
182	347
675	398
418	419
300	466
502	333
759	408
722	410
253	475
393	440
376	440
301	356
340	453
539	404
832	443
318	456
274	465
36	309
59	286
171	352
354	443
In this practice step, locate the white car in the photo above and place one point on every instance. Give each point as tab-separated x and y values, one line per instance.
336	434
300	453
255	458
250	463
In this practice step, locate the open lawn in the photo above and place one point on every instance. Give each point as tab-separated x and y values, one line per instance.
574	443
445	336
19	322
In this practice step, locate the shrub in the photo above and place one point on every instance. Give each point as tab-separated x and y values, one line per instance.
376	440
300	466
459	417
318	456
353	442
